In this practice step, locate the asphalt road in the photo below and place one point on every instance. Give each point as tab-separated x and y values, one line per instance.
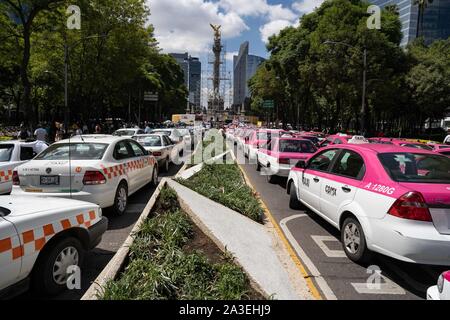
118	230
318	246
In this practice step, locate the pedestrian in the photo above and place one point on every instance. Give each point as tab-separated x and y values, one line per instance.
98	129
23	134
147	128
40	133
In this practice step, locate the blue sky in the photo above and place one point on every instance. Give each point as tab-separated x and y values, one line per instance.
183	25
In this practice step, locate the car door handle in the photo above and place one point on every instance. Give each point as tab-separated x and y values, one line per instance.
316	179
346	189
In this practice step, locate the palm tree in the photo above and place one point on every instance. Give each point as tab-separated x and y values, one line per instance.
422	5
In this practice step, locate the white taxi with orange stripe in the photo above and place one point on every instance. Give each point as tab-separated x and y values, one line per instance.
41	237
13	154
101	169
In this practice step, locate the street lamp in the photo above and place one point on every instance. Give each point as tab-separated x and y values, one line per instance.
67	49
363	104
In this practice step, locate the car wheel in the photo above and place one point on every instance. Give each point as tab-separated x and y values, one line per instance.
354	241
50	273
121	199
294	202
271	178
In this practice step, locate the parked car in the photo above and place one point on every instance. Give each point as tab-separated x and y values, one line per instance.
12	154
441	291
259	137
335	139
41	237
408	191
278	156
160	146
104	170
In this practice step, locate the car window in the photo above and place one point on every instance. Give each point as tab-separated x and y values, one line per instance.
297	146
337	141
78	151
138	150
167	140
26	153
417	146
349	164
6	151
446	153
416	168
322	161
150	141
121	133
122	151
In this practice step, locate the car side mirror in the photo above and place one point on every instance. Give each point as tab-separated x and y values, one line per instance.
301	164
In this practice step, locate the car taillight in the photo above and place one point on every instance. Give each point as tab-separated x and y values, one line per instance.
93	178
15	178
284	161
411	206
157	153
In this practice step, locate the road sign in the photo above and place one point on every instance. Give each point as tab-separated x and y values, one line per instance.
268	104
150	96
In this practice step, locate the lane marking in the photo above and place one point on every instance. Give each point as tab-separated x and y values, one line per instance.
330	253
321	282
387	287
312	288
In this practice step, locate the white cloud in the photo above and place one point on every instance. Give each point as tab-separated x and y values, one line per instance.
273	27
183	25
229	56
306	6
245	7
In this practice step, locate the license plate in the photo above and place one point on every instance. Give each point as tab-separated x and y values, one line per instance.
50	180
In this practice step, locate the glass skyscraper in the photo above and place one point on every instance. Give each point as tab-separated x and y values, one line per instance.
436	20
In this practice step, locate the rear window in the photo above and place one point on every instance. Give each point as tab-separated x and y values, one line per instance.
78	151
416	168
121	133
417	146
6	152
151	141
303	146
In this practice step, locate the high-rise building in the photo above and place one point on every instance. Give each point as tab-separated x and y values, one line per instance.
192	69
436	19
244	67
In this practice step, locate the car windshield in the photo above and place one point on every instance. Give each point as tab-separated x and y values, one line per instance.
78	151
121	133
418	146
416	168
303	146
6	152
150	141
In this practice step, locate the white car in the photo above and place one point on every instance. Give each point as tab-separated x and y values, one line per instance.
181	142
442	290
383	198
128	132
12	154
41	237
160	146
101	169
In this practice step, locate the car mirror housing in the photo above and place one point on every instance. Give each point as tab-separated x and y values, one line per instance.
301	164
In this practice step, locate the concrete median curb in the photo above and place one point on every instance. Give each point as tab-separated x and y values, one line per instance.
116	264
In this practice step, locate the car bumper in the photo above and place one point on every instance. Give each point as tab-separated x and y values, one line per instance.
433	293
104	197
96	232
5	187
409	240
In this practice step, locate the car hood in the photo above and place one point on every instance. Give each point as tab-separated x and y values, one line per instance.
24	205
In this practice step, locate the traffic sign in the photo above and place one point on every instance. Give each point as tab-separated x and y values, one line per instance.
150	96
268	104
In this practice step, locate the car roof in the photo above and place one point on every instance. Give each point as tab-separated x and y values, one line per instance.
93	138
380	148
127	129
143	135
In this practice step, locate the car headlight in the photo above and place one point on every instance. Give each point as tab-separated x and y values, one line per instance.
440	283
100	212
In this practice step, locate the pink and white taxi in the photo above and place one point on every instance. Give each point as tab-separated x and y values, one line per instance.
278	156
383	198
101	169
441	291
258	138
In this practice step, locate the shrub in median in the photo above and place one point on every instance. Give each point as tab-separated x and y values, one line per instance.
165	264
224	184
